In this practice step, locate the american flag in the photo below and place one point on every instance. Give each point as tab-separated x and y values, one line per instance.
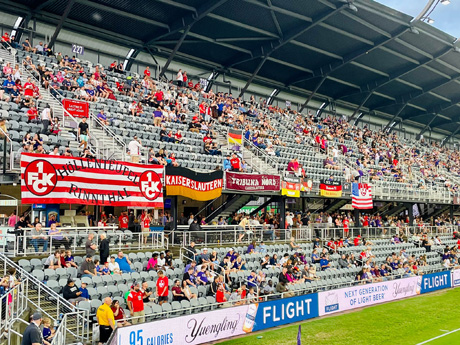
361	196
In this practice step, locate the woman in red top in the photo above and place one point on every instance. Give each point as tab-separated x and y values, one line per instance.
178	136
29	88
119	314
220	295
184	76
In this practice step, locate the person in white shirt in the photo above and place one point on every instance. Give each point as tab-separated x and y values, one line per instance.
179	78
289	217
335	154
113	266
55	151
46	118
134	147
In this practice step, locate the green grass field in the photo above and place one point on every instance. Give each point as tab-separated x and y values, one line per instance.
407	322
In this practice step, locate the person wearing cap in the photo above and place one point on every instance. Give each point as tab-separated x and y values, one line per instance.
204	257
33	334
87	268
136	304
72	293
106	320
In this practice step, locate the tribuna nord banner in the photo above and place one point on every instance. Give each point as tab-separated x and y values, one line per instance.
49	179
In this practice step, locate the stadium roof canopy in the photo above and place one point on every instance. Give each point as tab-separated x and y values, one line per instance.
359	54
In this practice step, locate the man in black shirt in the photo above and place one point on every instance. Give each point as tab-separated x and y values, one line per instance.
104	249
83	133
33	334
72	293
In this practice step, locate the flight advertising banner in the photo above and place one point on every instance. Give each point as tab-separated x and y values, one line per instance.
358	296
47	179
286	310
435	281
252	182
194	185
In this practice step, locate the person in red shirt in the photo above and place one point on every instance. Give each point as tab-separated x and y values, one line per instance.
32	113
365	221
159	95
345	225
146	226
136	304
190	84
147	71
123	221
184	77
113	66
197	86
6	38
162	288
202	108
357	240
220	295
235	162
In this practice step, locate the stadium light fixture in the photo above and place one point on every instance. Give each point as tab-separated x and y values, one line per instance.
430	20
445	2
414	30
16	26
352	7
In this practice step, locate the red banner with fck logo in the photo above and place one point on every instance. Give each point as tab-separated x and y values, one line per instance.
49	179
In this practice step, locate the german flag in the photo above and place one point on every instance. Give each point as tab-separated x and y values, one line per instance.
235	136
192	184
332	189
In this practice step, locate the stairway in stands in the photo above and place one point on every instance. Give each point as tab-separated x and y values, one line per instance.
40	297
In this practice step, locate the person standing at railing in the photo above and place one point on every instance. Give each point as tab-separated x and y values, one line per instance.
106	320
104	248
33	334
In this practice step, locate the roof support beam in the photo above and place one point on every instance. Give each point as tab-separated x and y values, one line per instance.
113	10
293	34
275	20
428	124
61	23
347	59
408	98
371	87
173	53
43	4
446	139
190	19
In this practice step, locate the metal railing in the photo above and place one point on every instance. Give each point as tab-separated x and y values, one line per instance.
228	235
49	303
74	238
116	142
6	141
12	304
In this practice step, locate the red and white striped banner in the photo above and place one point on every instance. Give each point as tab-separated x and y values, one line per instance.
49	179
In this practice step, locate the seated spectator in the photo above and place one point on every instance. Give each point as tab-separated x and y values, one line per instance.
53	261
202	276
189	277
87	268
178	295
283	290
71	292
103	118
69	259
113	266
119	314
220	295
324	262
235	163
152	264
84	291
123	263
187	292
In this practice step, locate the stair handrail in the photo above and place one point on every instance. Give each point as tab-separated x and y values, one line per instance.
60	301
110	133
262	155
